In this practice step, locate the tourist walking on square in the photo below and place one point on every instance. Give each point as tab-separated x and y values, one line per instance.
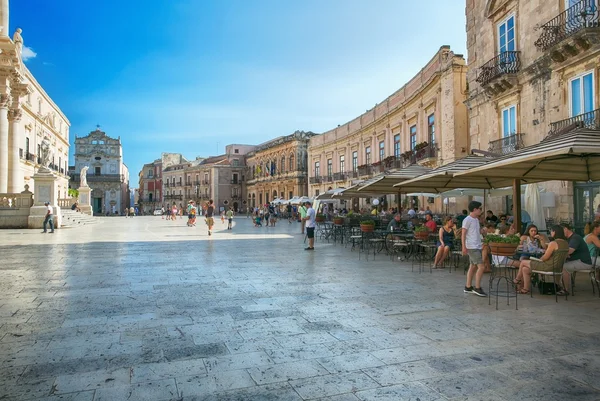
229	218
49	218
310	222
303	211
210	221
132	211
472	246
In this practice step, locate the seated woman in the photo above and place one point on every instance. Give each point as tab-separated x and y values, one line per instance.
592	240
531	243
546	262
445	243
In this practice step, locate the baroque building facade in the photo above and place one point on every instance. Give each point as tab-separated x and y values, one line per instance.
533	74
278	169
107	176
150	187
423	122
28	117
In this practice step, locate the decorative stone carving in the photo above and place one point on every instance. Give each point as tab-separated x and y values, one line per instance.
4	100
15	114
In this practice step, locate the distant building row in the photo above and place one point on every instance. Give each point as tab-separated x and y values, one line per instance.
245	176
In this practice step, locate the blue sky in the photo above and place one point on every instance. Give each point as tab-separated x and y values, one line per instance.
191	76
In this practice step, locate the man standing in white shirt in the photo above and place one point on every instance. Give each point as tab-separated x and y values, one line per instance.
310	226
472	246
49	219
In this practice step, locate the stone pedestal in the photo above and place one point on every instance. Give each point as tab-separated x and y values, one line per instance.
45	190
85	200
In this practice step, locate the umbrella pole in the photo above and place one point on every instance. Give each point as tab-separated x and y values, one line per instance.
399	203
517	205
484	206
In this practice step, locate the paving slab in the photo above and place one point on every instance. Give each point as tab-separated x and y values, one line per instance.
148	309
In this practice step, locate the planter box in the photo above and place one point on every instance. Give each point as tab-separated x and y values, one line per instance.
422	235
367	228
502	249
320	219
338	220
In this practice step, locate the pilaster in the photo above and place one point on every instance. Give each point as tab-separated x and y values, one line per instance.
15	179
4	101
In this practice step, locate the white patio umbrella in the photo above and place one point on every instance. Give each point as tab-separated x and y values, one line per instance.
533	206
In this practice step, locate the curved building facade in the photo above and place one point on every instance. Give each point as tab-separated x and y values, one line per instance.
423	122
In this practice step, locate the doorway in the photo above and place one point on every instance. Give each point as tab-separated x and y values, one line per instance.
97	205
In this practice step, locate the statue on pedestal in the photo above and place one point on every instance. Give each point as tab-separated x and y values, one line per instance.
83	177
45	154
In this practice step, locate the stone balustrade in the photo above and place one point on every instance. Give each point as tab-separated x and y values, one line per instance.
66	202
16	201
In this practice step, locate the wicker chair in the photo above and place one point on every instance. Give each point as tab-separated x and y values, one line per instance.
556	271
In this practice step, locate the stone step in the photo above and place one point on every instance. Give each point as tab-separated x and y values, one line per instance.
71	218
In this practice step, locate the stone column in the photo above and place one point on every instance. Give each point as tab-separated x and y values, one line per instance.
4	18
4	99
15	179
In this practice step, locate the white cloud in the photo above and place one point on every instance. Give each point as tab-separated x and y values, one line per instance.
28	53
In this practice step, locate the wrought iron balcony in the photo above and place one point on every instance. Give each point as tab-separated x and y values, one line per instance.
353	174
205	182
429	151
506	145
328	178
589	121
100	177
339	176
575	19
503	64
188	184
315	180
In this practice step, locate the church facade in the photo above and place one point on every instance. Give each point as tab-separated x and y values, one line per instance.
107	175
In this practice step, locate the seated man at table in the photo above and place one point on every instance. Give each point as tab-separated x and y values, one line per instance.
579	257
429	223
394	224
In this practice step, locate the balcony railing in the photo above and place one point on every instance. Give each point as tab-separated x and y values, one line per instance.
166	184
507	144
353	174
205	182
339	176
502	64
429	151
582	15
328	178
101	177
315	180
30	156
589	120
188	184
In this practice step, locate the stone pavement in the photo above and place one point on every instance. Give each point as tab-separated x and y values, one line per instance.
148	309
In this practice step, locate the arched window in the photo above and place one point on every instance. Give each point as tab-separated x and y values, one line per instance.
292	166
282	164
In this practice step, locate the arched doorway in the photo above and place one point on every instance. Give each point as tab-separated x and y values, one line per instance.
235	207
274	194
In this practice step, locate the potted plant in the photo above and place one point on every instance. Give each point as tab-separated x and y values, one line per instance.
367	226
421	232
320	218
502	246
407	155
339	220
421	145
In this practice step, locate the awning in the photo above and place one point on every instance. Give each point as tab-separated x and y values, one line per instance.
352	192
444	178
332	193
384	184
569	157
